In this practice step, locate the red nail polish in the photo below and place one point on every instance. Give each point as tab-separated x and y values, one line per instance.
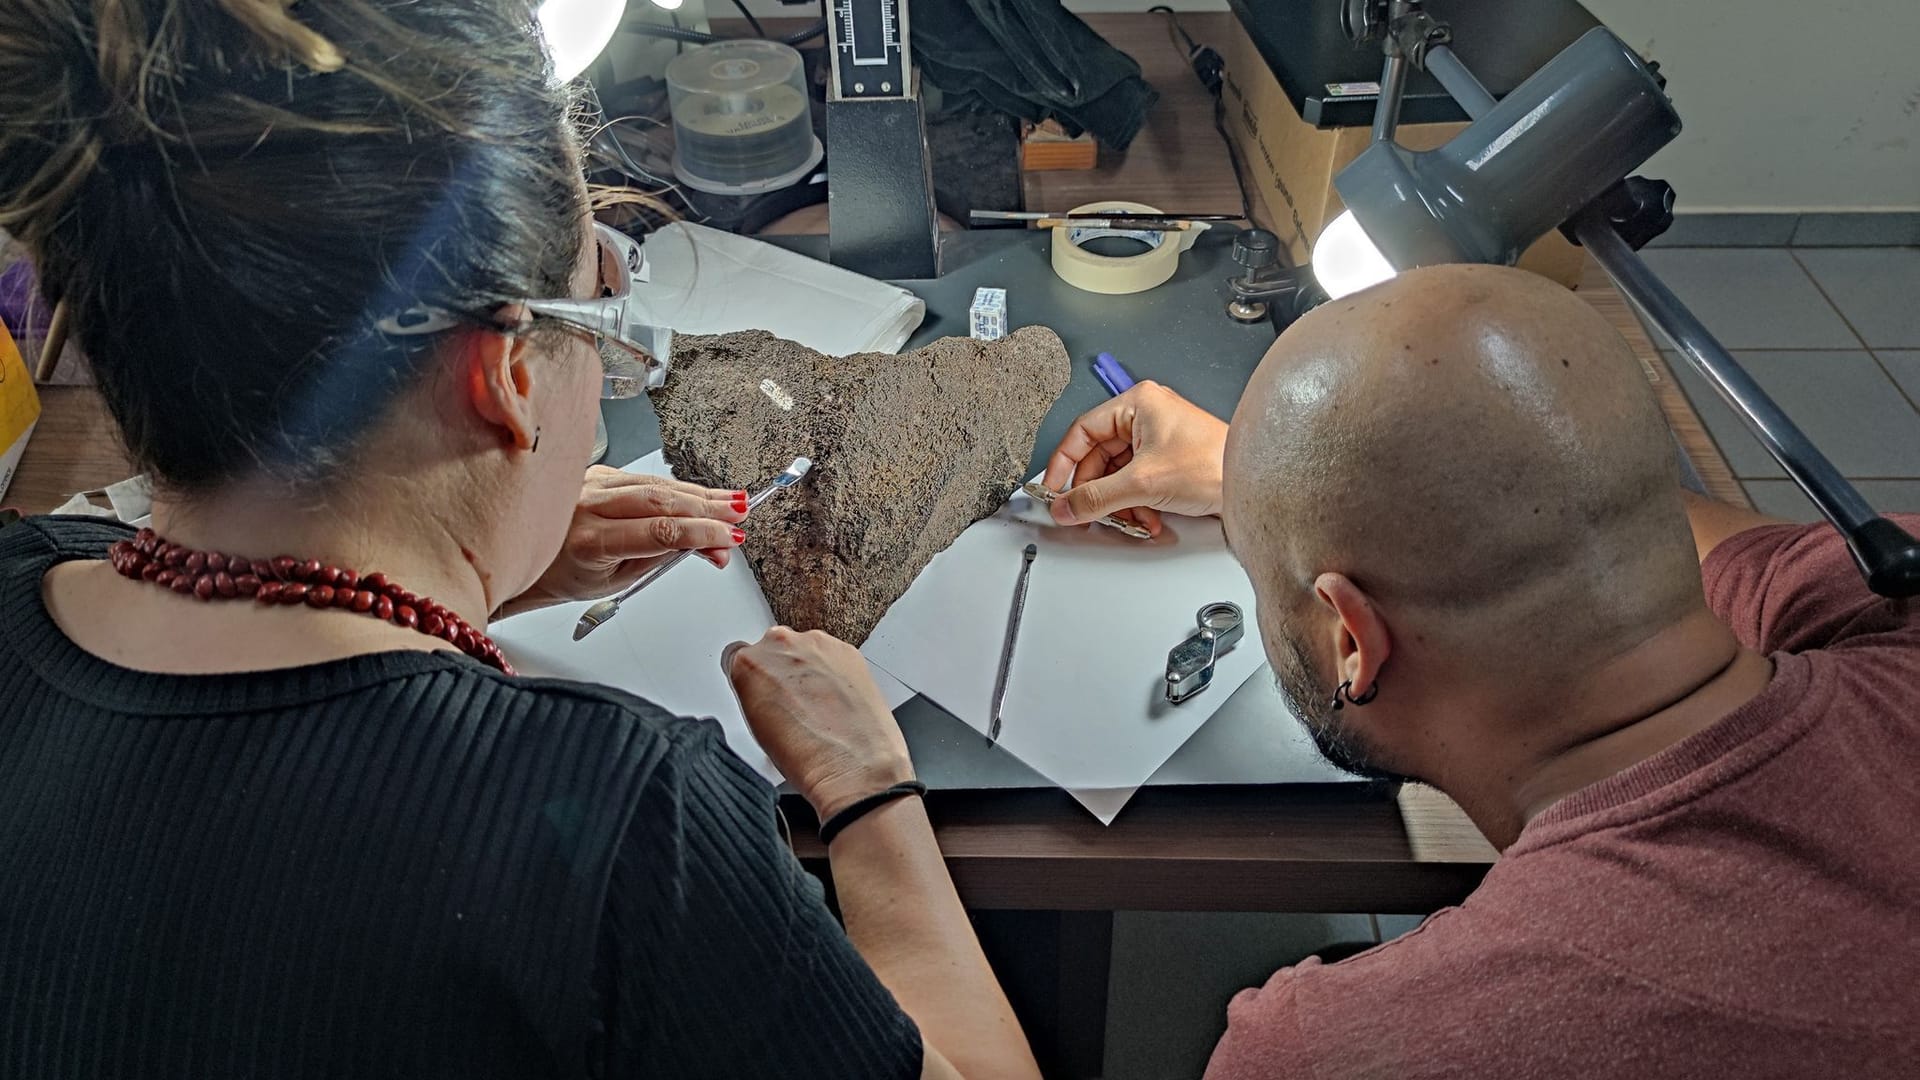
740	501
739	536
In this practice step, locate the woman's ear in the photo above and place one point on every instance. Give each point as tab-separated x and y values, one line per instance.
498	376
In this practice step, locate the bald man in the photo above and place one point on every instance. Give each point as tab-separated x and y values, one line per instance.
1690	729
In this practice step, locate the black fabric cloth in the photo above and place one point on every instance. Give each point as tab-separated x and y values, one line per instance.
403	864
976	161
1032	59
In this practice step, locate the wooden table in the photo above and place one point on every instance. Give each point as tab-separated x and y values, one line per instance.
1218	848
1041	874
75	447
1213	848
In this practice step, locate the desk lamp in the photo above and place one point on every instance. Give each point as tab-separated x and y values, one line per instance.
1554	152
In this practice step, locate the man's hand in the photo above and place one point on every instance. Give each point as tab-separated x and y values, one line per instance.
812	704
1146	451
624	524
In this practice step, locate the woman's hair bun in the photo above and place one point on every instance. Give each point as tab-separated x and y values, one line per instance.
227	195
79	76
272	22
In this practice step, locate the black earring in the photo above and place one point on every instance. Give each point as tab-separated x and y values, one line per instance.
535	448
1344	696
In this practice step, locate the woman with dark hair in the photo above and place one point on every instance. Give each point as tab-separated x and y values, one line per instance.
271	804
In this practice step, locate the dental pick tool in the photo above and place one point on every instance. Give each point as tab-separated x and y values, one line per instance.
1013	634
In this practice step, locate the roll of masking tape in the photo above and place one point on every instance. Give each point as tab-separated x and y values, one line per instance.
1118	274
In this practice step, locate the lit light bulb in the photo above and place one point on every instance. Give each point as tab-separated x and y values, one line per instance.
576	31
1345	259
667	5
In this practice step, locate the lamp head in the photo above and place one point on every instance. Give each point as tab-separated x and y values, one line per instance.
1589	117
577	30
1345	258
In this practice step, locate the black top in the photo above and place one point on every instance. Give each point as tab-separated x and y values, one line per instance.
404	864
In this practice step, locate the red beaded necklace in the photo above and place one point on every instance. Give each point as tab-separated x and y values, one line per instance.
286	580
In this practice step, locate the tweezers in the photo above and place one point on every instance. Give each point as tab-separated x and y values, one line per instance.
1046	496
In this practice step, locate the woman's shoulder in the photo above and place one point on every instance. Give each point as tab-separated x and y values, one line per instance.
629	713
551	711
440	685
59	536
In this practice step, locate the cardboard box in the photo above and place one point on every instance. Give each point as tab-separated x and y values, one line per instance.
19	408
1293	163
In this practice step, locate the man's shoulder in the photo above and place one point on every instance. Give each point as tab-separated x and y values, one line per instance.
1379	1012
1795	588
1437	951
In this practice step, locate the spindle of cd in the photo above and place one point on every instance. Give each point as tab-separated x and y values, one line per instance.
741	121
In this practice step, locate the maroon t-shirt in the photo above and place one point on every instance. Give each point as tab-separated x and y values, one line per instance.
1744	904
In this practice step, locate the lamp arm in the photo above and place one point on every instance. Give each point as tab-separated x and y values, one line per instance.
1393	87
1405	32
1459	83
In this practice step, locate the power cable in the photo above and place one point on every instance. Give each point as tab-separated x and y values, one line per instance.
1210	69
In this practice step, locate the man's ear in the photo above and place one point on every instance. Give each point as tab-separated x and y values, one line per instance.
499	377
1362	642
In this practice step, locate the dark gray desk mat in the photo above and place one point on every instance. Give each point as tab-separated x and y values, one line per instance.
1177	334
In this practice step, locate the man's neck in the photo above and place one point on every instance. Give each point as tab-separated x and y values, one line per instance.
1675	683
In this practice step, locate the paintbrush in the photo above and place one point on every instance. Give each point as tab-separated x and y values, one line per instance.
1131	223
1025	216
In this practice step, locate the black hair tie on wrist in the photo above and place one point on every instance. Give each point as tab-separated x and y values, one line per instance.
860	808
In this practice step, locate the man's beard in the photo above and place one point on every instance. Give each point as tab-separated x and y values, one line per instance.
1312	701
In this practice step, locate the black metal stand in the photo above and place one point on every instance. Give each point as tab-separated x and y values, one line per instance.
881	220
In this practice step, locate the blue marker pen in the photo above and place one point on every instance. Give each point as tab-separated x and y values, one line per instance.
1111	374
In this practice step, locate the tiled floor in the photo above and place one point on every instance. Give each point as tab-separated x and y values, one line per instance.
1833	335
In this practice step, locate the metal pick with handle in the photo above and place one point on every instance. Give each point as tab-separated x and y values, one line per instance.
1006	648
599	613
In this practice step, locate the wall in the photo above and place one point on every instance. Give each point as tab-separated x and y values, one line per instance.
1787	105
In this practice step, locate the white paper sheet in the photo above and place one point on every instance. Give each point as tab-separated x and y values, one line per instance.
705	281
1085	702
665	644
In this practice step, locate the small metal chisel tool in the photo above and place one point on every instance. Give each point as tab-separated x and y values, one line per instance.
1006	650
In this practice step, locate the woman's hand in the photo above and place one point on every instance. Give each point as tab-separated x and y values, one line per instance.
1143	452
812	704
624	524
